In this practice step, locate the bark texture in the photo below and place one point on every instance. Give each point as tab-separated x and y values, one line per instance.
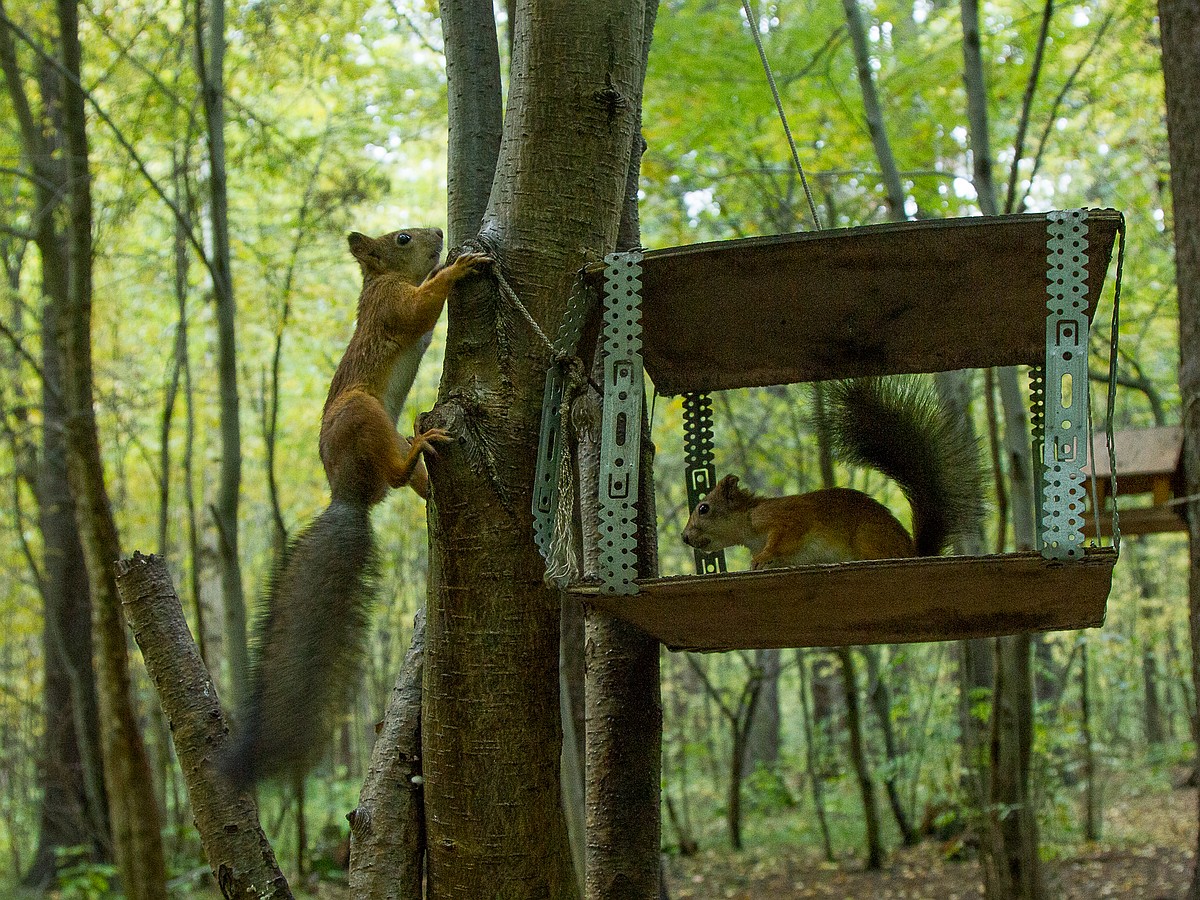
387	829
74	806
133	812
1179	21
210	55
236	849
491	733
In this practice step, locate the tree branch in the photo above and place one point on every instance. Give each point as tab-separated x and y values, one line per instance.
1027	105
117	133
234	844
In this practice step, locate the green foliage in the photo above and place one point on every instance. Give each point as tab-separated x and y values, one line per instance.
337	121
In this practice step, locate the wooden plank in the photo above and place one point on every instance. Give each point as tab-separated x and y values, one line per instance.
883	601
924	296
1138	520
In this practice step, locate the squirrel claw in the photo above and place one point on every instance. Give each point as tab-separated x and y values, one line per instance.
472	261
426	439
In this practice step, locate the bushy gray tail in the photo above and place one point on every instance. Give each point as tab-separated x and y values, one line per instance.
310	639
898	427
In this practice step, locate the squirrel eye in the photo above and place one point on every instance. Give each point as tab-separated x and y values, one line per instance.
702	509
403	238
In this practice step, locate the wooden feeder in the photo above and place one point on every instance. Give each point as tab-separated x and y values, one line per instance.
1149	461
911	297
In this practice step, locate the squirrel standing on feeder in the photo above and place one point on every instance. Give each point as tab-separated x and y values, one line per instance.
894	425
310	636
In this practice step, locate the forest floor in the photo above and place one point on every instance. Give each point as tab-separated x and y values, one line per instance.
1146	854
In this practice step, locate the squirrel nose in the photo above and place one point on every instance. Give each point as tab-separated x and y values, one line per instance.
438	232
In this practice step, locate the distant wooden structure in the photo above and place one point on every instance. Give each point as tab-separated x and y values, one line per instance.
1149	461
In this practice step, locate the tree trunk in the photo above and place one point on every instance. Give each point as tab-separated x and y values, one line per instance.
762	744
387	850
490	718
133	812
210	55
812	757
1179	21
880	695
74	805
1091	790
858	756
1011	867
237	851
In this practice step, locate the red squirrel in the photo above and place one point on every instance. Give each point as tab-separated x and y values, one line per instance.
894	425
310	635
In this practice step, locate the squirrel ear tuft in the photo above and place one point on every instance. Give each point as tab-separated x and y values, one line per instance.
728	484
357	242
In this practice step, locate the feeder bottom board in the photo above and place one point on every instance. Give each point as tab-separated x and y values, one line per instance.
888	601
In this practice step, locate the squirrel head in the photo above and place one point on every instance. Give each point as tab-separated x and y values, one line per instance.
411	252
718	521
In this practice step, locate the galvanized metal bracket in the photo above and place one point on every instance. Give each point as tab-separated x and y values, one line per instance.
621	426
546	488
700	473
1065	451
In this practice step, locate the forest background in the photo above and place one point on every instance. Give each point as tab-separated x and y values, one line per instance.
336	121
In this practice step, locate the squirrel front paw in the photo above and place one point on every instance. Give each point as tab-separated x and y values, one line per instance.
467	263
425	440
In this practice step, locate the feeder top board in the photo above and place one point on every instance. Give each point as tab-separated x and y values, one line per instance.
926	296
1142	454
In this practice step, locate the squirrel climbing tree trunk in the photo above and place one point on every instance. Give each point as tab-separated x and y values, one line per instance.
490	715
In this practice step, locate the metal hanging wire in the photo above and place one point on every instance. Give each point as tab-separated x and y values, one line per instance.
752	21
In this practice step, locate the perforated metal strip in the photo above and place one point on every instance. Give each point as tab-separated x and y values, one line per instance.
620	434
699	471
1066	440
545	483
1037	428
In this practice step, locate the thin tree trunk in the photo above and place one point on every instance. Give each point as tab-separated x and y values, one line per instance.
866	79
72	733
1179	22
762	744
1091	801
133	812
210	55
858	756
387	847
811	757
880	696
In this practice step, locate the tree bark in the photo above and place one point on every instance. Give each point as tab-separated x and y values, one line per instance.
74	807
858	756
134	815
491	731
210	55
236	848
1179	22
880	696
387	847
762	744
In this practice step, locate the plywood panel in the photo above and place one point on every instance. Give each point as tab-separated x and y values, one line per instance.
924	296
883	601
